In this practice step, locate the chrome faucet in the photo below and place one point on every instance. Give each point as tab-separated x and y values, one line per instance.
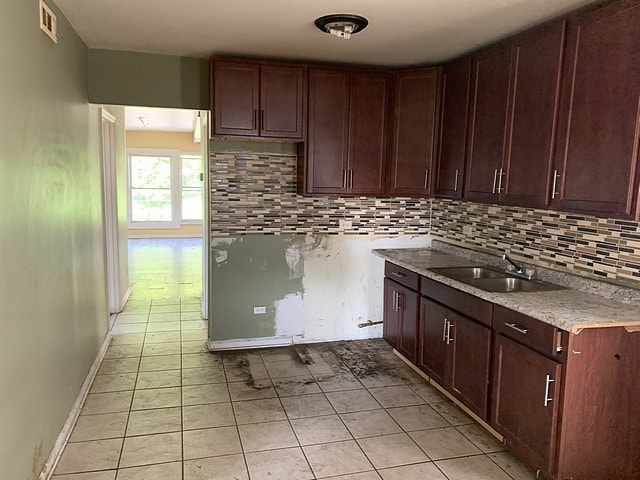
519	268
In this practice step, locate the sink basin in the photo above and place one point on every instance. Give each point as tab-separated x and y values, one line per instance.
512	284
494	280
465	274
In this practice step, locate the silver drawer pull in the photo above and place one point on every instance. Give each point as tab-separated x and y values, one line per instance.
554	192
398	274
517	328
547	398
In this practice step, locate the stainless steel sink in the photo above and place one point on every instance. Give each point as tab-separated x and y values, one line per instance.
513	284
465	274
494	280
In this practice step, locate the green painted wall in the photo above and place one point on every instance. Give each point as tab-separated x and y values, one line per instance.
52	287
142	79
252	271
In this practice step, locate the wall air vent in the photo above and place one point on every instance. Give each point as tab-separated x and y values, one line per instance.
48	22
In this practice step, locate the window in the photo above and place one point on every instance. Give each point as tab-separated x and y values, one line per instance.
165	188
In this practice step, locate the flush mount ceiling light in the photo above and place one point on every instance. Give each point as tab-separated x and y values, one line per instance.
342	25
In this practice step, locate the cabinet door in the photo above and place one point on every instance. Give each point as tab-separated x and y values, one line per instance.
391	319
235	98
526	401
433	356
414	132
535	93
408	309
281	101
471	343
454	118
326	159
490	91
367	133
598	141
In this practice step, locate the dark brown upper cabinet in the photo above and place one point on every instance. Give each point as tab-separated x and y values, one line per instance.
454	117
596	162
536	62
346	146
488	123
414	132
258	99
514	117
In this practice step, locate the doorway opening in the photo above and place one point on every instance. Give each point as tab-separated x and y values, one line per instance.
166	153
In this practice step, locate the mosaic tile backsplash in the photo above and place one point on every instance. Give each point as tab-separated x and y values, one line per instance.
605	248
256	194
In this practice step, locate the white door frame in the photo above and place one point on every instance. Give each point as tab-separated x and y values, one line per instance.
206	217
108	151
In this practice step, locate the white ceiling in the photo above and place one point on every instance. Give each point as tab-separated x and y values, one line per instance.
159	119
400	32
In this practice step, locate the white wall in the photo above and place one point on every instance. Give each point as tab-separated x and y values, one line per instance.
343	286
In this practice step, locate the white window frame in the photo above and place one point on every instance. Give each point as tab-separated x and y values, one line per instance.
176	191
199	155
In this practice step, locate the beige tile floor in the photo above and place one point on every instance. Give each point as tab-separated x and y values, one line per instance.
163	408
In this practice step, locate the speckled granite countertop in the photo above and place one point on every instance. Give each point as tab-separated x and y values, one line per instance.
570	310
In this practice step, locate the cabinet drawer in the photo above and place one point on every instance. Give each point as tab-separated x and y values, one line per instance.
528	331
462	302
402	275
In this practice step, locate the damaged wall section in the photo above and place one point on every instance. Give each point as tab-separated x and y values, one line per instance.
271	247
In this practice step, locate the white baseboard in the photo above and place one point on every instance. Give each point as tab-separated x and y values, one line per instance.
61	442
243	343
125	298
264	342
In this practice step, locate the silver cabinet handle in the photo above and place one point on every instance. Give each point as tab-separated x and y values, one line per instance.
394	302
262	120
554	193
398	274
255	119
455	183
444	329
426	178
350	178
517	328
344	178
449	339
501	173
495	180
398	300
548	383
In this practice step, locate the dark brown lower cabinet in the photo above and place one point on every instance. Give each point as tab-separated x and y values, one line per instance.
526	401
565	402
455	352
400	326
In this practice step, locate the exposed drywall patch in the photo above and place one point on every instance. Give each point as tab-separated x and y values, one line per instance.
289	315
343	284
256	271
